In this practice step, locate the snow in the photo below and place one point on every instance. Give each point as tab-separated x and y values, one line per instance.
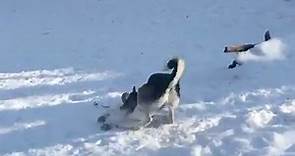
58	57
45	100
258	119
45	77
21	126
281	142
288	107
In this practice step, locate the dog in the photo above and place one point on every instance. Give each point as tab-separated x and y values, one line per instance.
160	90
129	101
118	117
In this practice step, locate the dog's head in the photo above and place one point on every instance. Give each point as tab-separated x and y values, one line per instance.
129	100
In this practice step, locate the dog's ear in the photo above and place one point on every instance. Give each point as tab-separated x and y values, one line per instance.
124	97
134	89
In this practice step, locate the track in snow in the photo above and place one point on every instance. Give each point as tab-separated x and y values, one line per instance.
61	104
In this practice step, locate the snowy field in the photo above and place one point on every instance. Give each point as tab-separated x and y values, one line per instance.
59	56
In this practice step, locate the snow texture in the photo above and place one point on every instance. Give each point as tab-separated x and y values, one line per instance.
58	57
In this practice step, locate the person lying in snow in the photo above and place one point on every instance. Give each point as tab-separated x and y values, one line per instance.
241	49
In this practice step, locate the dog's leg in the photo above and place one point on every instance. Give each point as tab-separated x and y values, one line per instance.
148	120
171	115
173	102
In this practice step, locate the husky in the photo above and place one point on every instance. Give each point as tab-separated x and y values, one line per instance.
118	116
161	90
129	101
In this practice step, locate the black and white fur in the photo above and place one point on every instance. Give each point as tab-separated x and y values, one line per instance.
129	101
161	89
118	117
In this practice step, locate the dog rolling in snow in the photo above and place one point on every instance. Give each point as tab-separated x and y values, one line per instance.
118	117
161	90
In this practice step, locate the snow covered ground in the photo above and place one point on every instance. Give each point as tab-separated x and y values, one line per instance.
59	56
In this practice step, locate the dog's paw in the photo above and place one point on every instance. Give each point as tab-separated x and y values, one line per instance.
105	127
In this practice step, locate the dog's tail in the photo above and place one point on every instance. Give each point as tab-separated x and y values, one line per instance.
177	65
